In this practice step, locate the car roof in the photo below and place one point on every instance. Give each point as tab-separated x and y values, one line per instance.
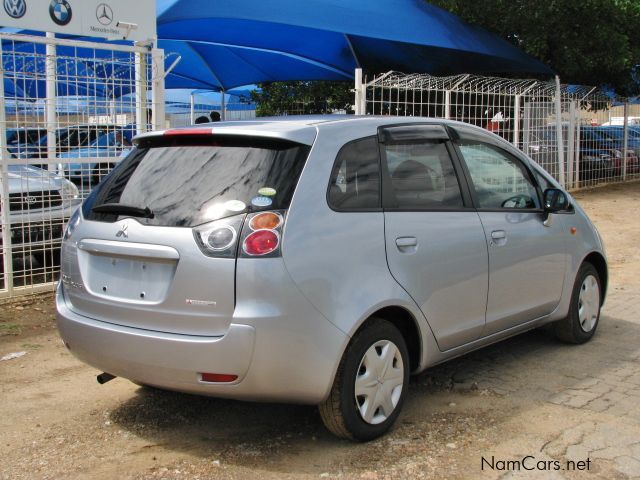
301	129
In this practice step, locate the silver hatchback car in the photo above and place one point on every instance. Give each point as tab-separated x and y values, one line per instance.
321	260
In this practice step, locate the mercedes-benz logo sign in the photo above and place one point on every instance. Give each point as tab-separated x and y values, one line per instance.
104	14
15	8
60	12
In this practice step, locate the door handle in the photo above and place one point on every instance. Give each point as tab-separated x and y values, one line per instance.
498	238
406	242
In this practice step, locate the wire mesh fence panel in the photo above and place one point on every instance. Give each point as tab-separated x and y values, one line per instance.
576	133
68	113
204	108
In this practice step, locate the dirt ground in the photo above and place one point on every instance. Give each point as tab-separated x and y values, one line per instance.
529	397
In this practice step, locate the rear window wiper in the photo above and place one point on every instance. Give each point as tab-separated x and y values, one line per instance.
121	209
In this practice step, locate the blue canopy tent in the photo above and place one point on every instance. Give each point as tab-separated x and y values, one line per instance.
224	44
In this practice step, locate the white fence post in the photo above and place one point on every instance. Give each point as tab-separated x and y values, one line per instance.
358	91
561	177
447	104
157	89
50	101
142	120
516	121
571	144
625	146
7	257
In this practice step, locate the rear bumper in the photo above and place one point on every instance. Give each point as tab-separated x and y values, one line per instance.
285	353
156	358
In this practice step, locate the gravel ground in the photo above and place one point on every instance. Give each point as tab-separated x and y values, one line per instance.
528	397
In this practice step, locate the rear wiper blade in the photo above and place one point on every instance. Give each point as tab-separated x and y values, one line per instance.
121	209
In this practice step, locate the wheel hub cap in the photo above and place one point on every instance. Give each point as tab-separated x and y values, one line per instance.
589	303
379	382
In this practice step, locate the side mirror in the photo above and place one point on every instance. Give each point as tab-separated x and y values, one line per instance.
555	200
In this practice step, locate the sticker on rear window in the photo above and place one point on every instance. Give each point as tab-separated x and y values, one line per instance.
267	191
235	205
261	201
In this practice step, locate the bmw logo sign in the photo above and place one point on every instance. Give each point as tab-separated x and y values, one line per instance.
60	12
15	8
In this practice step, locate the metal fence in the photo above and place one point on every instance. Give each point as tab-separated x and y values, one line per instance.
68	111
581	135
209	106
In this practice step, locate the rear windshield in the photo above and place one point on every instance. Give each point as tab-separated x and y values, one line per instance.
187	182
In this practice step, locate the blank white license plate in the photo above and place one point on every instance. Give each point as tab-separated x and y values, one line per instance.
126	278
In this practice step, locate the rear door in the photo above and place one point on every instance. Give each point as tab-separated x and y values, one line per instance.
436	247
153	271
527	258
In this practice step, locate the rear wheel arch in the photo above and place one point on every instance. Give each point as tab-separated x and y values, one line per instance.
406	323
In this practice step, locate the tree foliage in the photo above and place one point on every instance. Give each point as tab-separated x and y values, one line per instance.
590	42
302	98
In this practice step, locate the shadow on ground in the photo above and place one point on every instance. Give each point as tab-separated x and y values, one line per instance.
486	387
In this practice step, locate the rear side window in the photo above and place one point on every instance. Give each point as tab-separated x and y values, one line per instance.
189	181
355	180
422	176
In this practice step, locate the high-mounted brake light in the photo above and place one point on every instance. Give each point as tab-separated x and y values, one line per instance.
188	131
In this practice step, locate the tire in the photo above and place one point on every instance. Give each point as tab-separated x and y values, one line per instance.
584	313
343	413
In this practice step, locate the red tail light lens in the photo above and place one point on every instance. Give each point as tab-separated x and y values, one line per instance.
261	242
218	377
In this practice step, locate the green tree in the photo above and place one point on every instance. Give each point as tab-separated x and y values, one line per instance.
590	42
302	98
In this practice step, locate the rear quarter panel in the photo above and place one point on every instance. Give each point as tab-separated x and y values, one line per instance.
338	259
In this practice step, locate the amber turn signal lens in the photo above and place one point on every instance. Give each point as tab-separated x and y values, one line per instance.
266	220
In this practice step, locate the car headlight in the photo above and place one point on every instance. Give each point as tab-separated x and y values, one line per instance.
69	191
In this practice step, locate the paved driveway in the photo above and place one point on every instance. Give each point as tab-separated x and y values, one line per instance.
527	403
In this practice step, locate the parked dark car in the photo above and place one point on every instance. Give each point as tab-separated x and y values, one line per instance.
39	204
616	134
596	161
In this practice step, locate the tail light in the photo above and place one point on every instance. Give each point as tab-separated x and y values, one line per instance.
261	234
219	238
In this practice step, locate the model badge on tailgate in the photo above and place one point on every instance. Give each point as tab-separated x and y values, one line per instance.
201	303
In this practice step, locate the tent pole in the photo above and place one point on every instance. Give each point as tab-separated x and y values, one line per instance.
192	107
223	113
50	101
